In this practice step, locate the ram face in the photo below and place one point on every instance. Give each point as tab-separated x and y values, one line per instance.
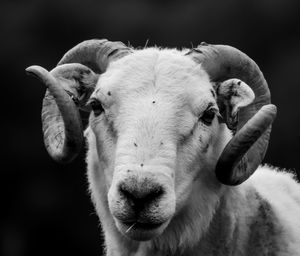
158	129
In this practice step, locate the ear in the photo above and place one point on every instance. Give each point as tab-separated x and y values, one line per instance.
78	81
233	94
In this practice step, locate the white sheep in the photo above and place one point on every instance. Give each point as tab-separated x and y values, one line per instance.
173	140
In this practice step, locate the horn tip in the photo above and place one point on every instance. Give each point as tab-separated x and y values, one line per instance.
35	70
30	70
270	107
270	110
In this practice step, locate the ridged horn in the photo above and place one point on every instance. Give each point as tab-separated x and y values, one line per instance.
61	121
69	86
246	150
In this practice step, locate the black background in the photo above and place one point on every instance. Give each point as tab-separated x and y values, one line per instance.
45	206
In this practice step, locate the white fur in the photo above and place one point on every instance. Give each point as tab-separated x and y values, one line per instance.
156	98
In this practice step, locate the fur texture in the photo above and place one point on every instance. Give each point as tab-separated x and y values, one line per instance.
153	133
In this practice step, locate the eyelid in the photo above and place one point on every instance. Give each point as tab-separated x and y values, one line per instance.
217	112
213	107
95	100
95	105
91	100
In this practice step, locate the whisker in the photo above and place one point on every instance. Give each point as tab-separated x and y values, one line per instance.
130	227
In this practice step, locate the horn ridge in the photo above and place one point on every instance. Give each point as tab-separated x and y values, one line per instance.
62	128
95	53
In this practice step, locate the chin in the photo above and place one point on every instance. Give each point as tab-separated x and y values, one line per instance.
141	231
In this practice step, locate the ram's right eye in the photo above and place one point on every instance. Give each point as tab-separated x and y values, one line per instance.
96	106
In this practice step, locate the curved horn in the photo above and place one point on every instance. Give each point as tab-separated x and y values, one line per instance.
246	150
69	86
95	54
62	127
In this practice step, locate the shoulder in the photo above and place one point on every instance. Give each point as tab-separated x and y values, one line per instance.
281	191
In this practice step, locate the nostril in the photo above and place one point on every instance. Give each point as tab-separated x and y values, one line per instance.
126	193
140	197
154	194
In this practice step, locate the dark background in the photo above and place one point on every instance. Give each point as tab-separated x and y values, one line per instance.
45	206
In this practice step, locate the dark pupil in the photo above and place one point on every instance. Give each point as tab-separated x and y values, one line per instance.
97	107
208	117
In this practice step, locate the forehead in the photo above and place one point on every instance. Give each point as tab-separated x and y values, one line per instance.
155	72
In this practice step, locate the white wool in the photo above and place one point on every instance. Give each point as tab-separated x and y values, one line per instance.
210	218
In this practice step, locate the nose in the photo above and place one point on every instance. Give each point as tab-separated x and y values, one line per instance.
141	196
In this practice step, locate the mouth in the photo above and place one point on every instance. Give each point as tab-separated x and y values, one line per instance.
141	231
142	226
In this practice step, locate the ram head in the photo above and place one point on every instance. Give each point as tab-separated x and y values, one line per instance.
165	125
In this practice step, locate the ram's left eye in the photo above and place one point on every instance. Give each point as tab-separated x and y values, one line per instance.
208	116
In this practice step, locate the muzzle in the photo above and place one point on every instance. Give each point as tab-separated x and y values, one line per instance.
142	202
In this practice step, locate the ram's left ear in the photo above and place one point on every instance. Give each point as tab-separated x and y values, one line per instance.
233	94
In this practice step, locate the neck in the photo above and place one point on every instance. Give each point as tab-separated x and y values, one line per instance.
242	224
227	231
207	225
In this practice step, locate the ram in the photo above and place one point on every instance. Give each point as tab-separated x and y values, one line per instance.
174	138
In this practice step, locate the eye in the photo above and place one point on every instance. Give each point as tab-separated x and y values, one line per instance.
96	106
208	116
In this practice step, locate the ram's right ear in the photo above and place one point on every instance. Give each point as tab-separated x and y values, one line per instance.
233	94
78	81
